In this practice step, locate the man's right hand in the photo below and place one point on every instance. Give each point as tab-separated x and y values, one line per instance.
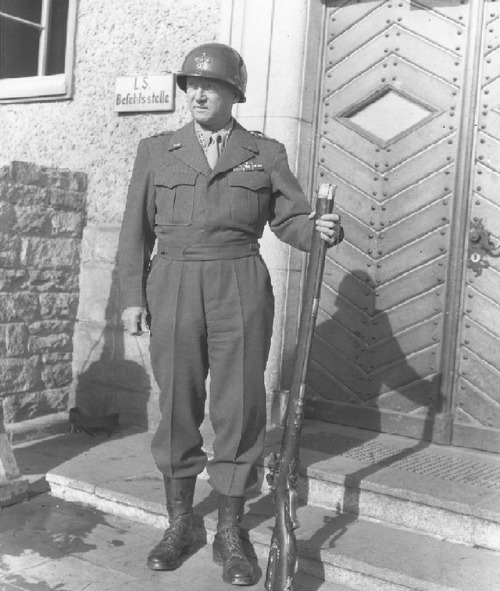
134	320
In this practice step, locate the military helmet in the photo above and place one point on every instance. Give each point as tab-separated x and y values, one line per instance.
217	61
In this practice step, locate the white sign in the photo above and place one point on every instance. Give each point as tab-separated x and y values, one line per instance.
144	93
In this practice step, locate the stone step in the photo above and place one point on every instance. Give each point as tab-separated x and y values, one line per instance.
342	550
445	492
356	553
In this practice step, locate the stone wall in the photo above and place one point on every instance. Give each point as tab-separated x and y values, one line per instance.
42	215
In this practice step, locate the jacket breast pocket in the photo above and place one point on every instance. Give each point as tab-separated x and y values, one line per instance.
249	197
175	194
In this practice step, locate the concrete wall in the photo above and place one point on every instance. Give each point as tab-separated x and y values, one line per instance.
124	37
113	38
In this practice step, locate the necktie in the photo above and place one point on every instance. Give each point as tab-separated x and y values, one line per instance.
214	149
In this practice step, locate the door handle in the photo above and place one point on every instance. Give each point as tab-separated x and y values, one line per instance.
481	244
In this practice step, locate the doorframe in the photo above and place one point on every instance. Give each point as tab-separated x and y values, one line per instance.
307	164
280	44
460	212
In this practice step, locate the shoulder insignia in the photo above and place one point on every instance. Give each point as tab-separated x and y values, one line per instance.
262	136
159	133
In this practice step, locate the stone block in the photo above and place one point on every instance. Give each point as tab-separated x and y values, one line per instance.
19	375
7	216
67	223
10	250
13	339
52	280
41	176
49	253
56	357
71	181
49	343
67	200
31	220
4	190
58	305
56	375
13	279
4	172
23	195
3	340
8	464
48	327
18	307
26	173
30	405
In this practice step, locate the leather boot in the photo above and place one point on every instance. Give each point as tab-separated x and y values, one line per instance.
227	549
180	537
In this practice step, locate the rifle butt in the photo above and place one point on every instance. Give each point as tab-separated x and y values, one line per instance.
282	563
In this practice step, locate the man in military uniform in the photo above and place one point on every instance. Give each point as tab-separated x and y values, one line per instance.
204	193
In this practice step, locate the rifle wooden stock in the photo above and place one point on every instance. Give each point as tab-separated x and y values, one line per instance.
283	474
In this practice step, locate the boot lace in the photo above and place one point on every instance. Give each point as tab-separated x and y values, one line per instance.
231	537
174	534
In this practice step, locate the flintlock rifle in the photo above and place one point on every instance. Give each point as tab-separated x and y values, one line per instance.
283	474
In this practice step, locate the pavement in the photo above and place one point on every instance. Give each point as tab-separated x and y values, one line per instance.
382	514
48	543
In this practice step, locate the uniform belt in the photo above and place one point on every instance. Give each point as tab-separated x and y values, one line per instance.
208	252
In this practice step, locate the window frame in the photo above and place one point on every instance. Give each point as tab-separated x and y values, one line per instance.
44	87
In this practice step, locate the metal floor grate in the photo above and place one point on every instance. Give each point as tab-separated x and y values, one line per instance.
412	459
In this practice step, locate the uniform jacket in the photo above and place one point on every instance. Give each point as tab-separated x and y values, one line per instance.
175	197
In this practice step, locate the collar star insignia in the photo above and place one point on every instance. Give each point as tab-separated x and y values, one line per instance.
202	62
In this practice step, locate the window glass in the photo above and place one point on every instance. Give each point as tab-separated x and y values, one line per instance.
56	50
29	10
19	46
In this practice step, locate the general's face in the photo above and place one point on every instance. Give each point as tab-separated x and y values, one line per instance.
210	101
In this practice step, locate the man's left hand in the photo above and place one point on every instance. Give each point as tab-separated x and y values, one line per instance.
329	227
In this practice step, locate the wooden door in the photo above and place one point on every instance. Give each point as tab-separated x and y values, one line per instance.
408	129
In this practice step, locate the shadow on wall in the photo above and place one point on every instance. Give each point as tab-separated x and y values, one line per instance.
414	393
112	367
358	368
360	446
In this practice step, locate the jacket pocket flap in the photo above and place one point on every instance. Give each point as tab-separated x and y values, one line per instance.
173	178
250	180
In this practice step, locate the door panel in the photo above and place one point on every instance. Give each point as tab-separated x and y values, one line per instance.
398	307
477	393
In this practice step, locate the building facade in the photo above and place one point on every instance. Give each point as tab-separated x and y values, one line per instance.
395	102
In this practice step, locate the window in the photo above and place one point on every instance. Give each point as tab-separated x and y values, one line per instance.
36	49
